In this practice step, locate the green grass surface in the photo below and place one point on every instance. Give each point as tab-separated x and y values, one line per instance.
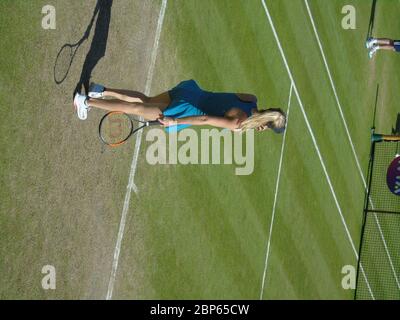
192	231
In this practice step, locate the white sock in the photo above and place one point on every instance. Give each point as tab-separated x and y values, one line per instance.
86	103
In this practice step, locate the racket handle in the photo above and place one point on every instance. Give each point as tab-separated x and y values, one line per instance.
153	123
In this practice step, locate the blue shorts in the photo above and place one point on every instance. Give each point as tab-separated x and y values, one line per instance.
396	44
184	97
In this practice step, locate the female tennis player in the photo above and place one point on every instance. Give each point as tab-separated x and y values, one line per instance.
183	106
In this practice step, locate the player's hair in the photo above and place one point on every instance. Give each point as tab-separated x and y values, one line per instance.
273	118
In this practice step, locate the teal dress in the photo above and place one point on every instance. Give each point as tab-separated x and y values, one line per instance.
189	100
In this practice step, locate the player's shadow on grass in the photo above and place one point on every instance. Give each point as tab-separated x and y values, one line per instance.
97	49
372	19
99	43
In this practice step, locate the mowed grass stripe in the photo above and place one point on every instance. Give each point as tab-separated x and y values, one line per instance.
282	77
367	73
343	216
320	106
308	242
314	140
381	275
268	66
200	239
353	73
195	245
363	74
62	210
206	58
382	236
236	207
276	193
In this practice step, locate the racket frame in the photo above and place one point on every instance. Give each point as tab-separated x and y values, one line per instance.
132	131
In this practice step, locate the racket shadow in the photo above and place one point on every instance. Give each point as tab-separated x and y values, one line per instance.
98	45
67	52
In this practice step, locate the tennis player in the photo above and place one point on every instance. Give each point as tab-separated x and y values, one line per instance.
183	106
375	44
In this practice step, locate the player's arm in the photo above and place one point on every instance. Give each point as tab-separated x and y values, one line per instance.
220	122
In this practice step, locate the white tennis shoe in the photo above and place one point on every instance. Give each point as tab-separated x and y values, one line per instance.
373	51
81	107
96	91
370	42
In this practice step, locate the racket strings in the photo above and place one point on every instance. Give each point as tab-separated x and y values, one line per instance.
116	128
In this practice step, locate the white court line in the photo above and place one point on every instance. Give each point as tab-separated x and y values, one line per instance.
276	192
131	184
314	141
349	137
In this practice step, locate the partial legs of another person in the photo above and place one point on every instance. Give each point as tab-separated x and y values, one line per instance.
375	44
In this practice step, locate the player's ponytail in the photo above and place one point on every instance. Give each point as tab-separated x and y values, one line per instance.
274	119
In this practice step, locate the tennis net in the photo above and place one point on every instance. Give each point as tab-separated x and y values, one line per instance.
379	254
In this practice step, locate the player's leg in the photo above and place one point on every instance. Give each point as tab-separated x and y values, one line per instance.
148	111
386	47
126	95
389	47
371	42
136	96
383	41
163	99
99	91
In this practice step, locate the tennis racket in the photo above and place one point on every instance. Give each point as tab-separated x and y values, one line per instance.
117	127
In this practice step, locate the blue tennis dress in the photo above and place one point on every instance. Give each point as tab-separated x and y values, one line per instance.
188	100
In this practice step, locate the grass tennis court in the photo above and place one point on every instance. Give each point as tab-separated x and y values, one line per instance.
191	231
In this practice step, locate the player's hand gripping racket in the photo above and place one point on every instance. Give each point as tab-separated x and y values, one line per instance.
117	127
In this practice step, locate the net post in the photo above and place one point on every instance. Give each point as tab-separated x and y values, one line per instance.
376	137
365	211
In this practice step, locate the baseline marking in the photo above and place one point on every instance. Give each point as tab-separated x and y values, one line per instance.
276	193
314	141
131	184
